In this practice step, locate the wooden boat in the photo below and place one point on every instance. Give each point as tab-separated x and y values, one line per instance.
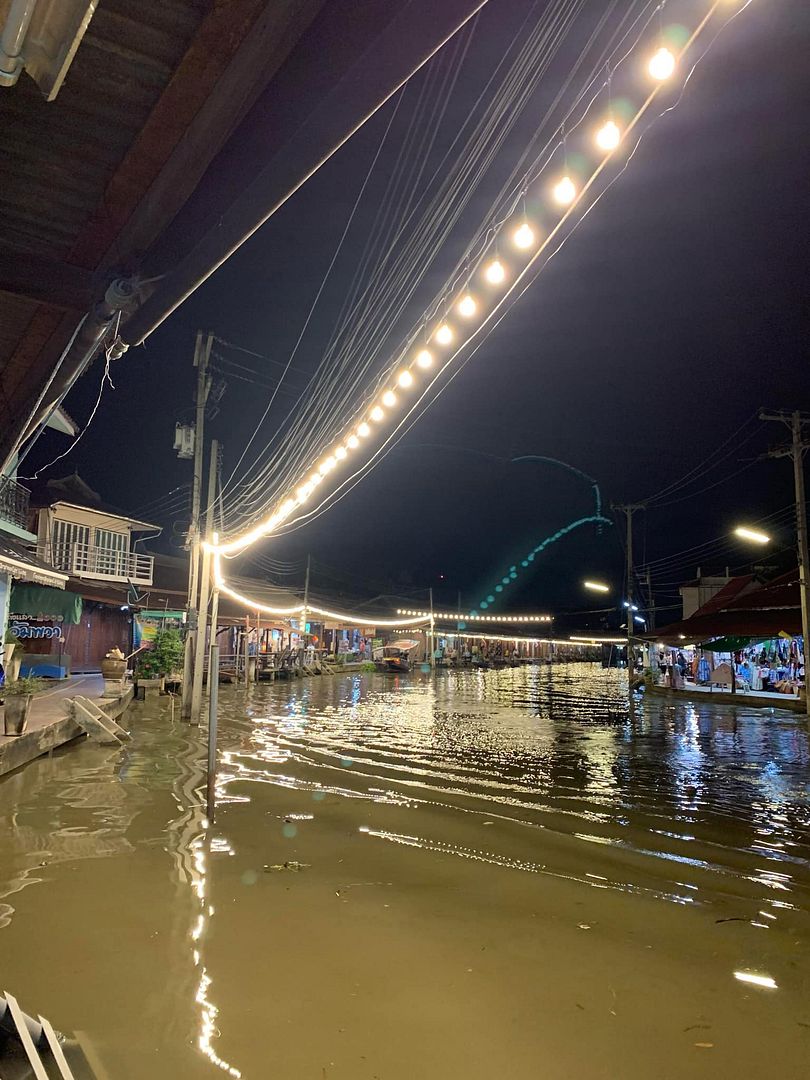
395	658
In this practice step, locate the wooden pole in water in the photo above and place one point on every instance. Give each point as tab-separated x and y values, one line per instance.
213	702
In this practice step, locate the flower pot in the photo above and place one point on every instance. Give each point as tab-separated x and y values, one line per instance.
113	669
16	713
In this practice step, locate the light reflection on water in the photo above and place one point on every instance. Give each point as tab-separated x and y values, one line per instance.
534	774
683	784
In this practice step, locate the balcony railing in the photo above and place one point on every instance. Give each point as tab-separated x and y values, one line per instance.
14	502
85	561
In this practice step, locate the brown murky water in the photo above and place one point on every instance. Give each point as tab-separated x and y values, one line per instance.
499	875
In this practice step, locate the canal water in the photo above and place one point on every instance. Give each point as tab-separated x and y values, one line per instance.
486	874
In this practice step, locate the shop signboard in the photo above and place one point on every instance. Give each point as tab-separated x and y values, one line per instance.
30	627
147	624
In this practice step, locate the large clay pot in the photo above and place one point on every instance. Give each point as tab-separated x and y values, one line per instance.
113	669
16	713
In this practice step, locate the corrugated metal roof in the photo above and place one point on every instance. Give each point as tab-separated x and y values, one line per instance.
59	156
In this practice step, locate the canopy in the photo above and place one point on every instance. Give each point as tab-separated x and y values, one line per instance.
23	565
40	602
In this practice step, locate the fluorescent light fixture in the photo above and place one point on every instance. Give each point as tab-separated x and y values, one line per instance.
596	586
754	535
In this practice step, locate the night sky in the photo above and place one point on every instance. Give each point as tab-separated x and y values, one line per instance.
674	312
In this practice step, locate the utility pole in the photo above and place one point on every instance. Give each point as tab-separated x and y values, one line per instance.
628	509
651	594
205	578
202	353
796	421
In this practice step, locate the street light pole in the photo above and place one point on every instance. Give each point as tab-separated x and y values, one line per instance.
795	422
629	509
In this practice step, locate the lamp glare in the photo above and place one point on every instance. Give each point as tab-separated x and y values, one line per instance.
565	191
661	65
495	272
524	236
467	306
608	136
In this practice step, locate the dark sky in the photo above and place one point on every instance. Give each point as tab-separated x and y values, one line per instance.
675	311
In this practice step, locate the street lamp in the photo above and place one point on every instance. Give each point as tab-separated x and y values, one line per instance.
596	586
754	535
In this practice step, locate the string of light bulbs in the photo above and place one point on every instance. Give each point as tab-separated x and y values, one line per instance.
497	271
413	256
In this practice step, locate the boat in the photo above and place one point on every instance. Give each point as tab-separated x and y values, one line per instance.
395	658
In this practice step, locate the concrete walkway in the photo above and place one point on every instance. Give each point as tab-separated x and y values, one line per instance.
49	724
724	696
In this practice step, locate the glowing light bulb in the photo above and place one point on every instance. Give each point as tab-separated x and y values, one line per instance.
661	65
444	335
405	378
377	414
323	468
315	479
352	442
424	358
363	430
523	236
608	136
389	399
302	494
467	306
341	453
495	272
565	191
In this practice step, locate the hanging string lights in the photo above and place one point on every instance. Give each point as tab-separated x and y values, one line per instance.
608	133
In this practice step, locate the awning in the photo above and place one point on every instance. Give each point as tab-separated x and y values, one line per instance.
22	565
40	602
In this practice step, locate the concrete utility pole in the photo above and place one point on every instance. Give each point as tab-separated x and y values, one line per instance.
205	581
202	353
796	421
628	509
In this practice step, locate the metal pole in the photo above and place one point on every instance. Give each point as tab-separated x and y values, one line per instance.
201	355
801	536
304	612
630	654
430	658
213	702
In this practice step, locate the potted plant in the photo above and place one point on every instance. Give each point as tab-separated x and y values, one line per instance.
114	665
17	696
11	663
164	658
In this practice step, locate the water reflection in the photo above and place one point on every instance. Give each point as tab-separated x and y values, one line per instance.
687	823
552	749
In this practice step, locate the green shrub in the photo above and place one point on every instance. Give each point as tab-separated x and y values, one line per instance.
27	685
165	656
368	665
